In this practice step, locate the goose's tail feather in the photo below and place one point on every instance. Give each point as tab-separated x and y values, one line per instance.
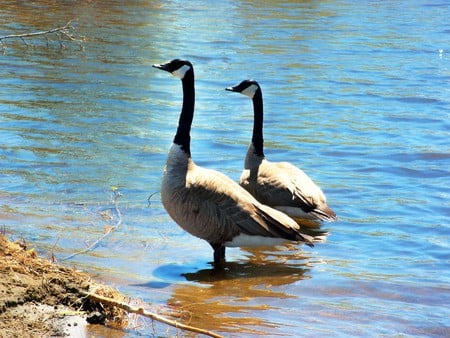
314	236
324	213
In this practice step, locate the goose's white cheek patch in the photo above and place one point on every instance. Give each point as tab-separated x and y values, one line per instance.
250	91
180	72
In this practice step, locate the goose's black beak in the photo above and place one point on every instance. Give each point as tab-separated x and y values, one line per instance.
162	66
231	89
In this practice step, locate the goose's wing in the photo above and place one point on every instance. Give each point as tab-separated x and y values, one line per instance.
281	183
301	186
290	185
234	210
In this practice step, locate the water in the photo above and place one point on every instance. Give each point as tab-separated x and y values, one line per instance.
356	93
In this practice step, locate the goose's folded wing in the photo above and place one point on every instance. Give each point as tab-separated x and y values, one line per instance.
288	185
230	206
224	203
307	192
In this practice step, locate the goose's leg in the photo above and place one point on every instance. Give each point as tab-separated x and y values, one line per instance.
219	255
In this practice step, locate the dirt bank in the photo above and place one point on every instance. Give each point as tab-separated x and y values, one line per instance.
41	299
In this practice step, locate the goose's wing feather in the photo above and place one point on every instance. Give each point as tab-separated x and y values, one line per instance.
229	206
306	191
302	187
285	184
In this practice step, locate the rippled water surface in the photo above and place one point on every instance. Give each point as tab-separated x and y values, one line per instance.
357	93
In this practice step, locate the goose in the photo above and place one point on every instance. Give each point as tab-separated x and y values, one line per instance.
208	204
280	185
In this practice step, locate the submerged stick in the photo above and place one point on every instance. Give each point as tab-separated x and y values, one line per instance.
117	194
150	197
141	311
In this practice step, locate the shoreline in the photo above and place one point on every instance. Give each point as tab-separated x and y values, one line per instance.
42	298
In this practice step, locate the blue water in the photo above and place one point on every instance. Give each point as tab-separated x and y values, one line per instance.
357	94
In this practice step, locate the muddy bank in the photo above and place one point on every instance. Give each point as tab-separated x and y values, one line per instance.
41	299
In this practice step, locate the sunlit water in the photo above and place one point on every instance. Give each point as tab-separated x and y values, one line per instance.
356	93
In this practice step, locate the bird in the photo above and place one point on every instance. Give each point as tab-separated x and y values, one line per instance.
208	204
281	185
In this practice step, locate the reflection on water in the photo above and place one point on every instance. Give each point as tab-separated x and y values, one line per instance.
233	298
356	94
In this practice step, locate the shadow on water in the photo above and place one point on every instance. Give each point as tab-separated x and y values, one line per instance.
234	299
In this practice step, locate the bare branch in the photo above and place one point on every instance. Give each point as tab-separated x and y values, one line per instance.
141	311
27	35
67	32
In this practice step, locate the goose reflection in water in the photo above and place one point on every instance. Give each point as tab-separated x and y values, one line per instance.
230	299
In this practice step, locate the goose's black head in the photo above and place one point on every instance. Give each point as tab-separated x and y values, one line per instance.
246	87
176	67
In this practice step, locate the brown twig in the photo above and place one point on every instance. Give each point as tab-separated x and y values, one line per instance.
53	258
67	31
141	311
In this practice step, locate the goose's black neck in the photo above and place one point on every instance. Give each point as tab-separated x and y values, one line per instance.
257	139
182	137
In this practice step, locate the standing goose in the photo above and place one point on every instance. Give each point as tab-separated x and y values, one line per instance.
280	185
208	204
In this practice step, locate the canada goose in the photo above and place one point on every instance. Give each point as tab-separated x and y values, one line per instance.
208	204
280	185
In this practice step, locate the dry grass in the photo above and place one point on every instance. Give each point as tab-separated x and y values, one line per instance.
27	281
